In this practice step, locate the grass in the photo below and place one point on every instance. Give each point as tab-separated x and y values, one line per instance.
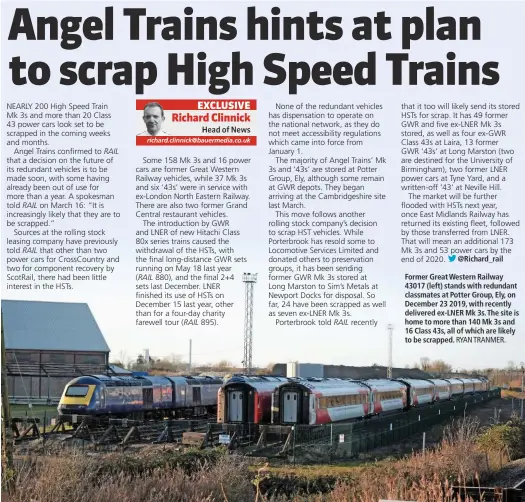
36	411
20	411
512	393
158	475
311	470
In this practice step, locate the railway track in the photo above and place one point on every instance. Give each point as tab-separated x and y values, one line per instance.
361	435
520	485
115	431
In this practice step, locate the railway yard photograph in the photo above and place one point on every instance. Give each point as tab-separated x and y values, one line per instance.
82	423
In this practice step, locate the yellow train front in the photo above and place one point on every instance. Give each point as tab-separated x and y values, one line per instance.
81	396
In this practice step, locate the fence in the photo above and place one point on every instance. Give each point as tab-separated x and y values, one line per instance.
320	442
347	440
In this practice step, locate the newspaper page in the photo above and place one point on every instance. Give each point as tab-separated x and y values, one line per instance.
290	231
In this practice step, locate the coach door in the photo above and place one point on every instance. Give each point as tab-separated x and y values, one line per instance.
196	396
235	406
290	406
147	397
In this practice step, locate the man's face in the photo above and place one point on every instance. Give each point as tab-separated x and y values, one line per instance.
153	118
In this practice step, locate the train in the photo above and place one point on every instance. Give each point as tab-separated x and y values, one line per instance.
316	402
284	401
264	399
140	397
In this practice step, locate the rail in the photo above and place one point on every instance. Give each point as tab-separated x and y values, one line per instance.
520	485
348	439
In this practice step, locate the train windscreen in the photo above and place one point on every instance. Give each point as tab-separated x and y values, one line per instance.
77	390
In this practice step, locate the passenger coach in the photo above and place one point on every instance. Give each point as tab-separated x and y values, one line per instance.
319	401
247	399
442	389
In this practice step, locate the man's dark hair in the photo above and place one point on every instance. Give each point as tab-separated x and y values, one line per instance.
154	104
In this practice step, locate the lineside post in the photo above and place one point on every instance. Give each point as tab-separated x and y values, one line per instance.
7	433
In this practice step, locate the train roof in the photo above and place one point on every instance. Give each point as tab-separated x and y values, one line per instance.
326	386
84	380
439	381
384	383
454	380
471	380
119	381
263	383
418	383
145	381
189	380
257	378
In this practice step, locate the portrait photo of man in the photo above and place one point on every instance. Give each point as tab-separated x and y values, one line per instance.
153	117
